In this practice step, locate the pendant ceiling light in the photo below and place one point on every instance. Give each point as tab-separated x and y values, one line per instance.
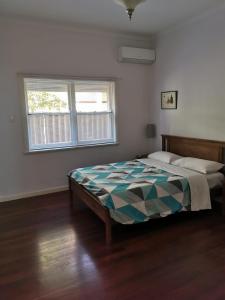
130	5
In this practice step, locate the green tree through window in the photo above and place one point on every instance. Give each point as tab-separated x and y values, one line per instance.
41	101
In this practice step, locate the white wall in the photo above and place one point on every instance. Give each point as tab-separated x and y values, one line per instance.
46	49
191	59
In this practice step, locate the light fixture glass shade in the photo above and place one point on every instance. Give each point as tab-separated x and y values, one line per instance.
130	5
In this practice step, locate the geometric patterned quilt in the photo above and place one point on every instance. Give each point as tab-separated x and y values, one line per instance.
135	192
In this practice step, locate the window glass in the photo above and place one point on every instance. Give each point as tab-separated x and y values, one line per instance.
53	123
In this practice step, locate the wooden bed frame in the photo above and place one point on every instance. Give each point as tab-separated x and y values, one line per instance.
200	148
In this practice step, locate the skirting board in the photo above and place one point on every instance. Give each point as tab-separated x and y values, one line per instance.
33	194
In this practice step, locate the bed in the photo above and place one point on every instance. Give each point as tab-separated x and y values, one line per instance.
116	192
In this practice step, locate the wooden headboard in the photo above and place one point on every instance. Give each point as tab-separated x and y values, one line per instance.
200	148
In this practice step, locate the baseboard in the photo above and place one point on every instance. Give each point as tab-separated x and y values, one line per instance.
34	193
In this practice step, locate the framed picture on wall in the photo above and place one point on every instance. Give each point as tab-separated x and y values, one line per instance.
169	100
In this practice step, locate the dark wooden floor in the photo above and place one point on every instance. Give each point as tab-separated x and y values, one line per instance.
45	253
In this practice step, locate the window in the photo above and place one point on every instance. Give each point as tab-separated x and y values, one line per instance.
69	113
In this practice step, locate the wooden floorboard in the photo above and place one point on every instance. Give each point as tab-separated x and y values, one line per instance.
48	253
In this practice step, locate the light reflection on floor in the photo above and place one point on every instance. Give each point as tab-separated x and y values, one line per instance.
62	260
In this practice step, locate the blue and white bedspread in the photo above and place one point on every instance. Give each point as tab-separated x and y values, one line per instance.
134	191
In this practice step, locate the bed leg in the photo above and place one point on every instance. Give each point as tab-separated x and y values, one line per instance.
71	196
108	232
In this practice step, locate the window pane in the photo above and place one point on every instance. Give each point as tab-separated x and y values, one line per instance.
48	113
92	96
94	127
46	95
94	111
49	129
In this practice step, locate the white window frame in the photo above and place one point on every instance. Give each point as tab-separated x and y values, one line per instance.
73	114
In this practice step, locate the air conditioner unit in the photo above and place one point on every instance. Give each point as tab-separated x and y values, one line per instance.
136	55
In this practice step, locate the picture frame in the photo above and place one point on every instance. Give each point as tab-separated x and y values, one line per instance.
169	99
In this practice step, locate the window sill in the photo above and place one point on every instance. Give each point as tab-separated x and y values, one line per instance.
70	148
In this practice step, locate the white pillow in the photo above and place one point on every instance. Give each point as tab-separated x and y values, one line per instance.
164	156
199	165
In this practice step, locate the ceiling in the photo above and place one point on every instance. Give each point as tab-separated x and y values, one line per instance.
149	17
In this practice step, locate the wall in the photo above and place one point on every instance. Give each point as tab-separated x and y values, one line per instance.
191	59
49	49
